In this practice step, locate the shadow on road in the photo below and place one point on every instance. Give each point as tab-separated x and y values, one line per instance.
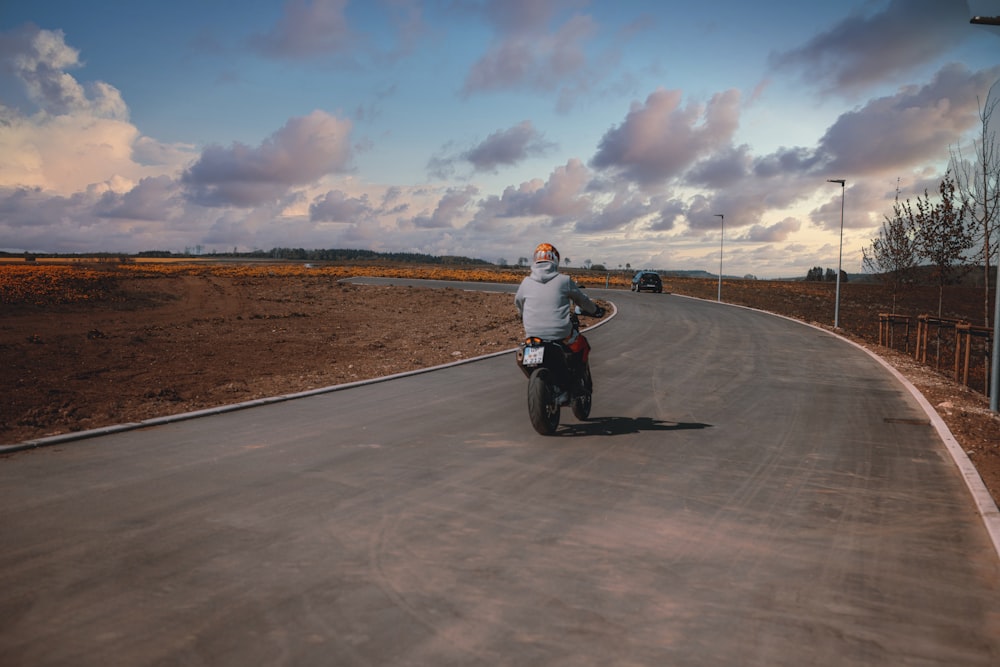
624	425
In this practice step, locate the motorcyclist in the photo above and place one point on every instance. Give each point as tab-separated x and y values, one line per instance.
545	299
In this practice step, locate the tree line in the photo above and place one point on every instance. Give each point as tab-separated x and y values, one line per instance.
818	274
953	233
327	255
351	255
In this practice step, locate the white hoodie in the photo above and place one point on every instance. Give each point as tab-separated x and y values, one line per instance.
544	300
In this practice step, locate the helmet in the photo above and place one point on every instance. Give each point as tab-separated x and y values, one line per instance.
546	252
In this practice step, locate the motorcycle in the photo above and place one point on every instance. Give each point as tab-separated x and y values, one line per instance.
556	377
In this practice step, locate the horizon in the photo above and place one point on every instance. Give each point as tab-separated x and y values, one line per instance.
411	257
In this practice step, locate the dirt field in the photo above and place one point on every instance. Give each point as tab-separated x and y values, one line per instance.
152	345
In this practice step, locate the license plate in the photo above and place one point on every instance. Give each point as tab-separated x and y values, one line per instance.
533	356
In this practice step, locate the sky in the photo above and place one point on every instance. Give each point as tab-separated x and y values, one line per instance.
634	134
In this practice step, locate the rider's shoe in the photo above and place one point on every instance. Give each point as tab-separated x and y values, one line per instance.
563	398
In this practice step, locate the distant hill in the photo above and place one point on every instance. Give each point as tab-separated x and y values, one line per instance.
697	273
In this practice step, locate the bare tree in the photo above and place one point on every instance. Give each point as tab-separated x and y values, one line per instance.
978	184
893	255
942	232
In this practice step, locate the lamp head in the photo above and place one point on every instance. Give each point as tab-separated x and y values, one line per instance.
836	180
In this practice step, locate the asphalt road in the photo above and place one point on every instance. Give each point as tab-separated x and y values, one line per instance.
749	491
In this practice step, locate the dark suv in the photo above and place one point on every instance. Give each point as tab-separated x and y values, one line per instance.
647	280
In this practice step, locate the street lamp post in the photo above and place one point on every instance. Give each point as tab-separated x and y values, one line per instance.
995	361
840	258
995	356
722	240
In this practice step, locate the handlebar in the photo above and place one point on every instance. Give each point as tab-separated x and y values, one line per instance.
577	311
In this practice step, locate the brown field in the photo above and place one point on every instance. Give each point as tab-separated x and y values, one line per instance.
90	345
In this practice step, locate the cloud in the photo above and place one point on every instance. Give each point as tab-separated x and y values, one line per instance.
63	153
785	161
304	150
31	219
865	202
778	232
39	58
508	147
659	140
724	167
671	210
338	206
392	202
526	54
663	143
503	148
152	199
75	174
406	17
150	152
310	29
898	135
748	201
624	209
73	135
563	194
307	29
861	51
449	209
561	198
99	219
914	126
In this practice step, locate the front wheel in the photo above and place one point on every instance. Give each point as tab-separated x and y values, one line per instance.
542	407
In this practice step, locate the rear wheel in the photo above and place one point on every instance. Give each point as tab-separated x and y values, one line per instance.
581	407
581	403
542	407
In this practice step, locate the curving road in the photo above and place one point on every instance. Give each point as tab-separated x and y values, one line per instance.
749	491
